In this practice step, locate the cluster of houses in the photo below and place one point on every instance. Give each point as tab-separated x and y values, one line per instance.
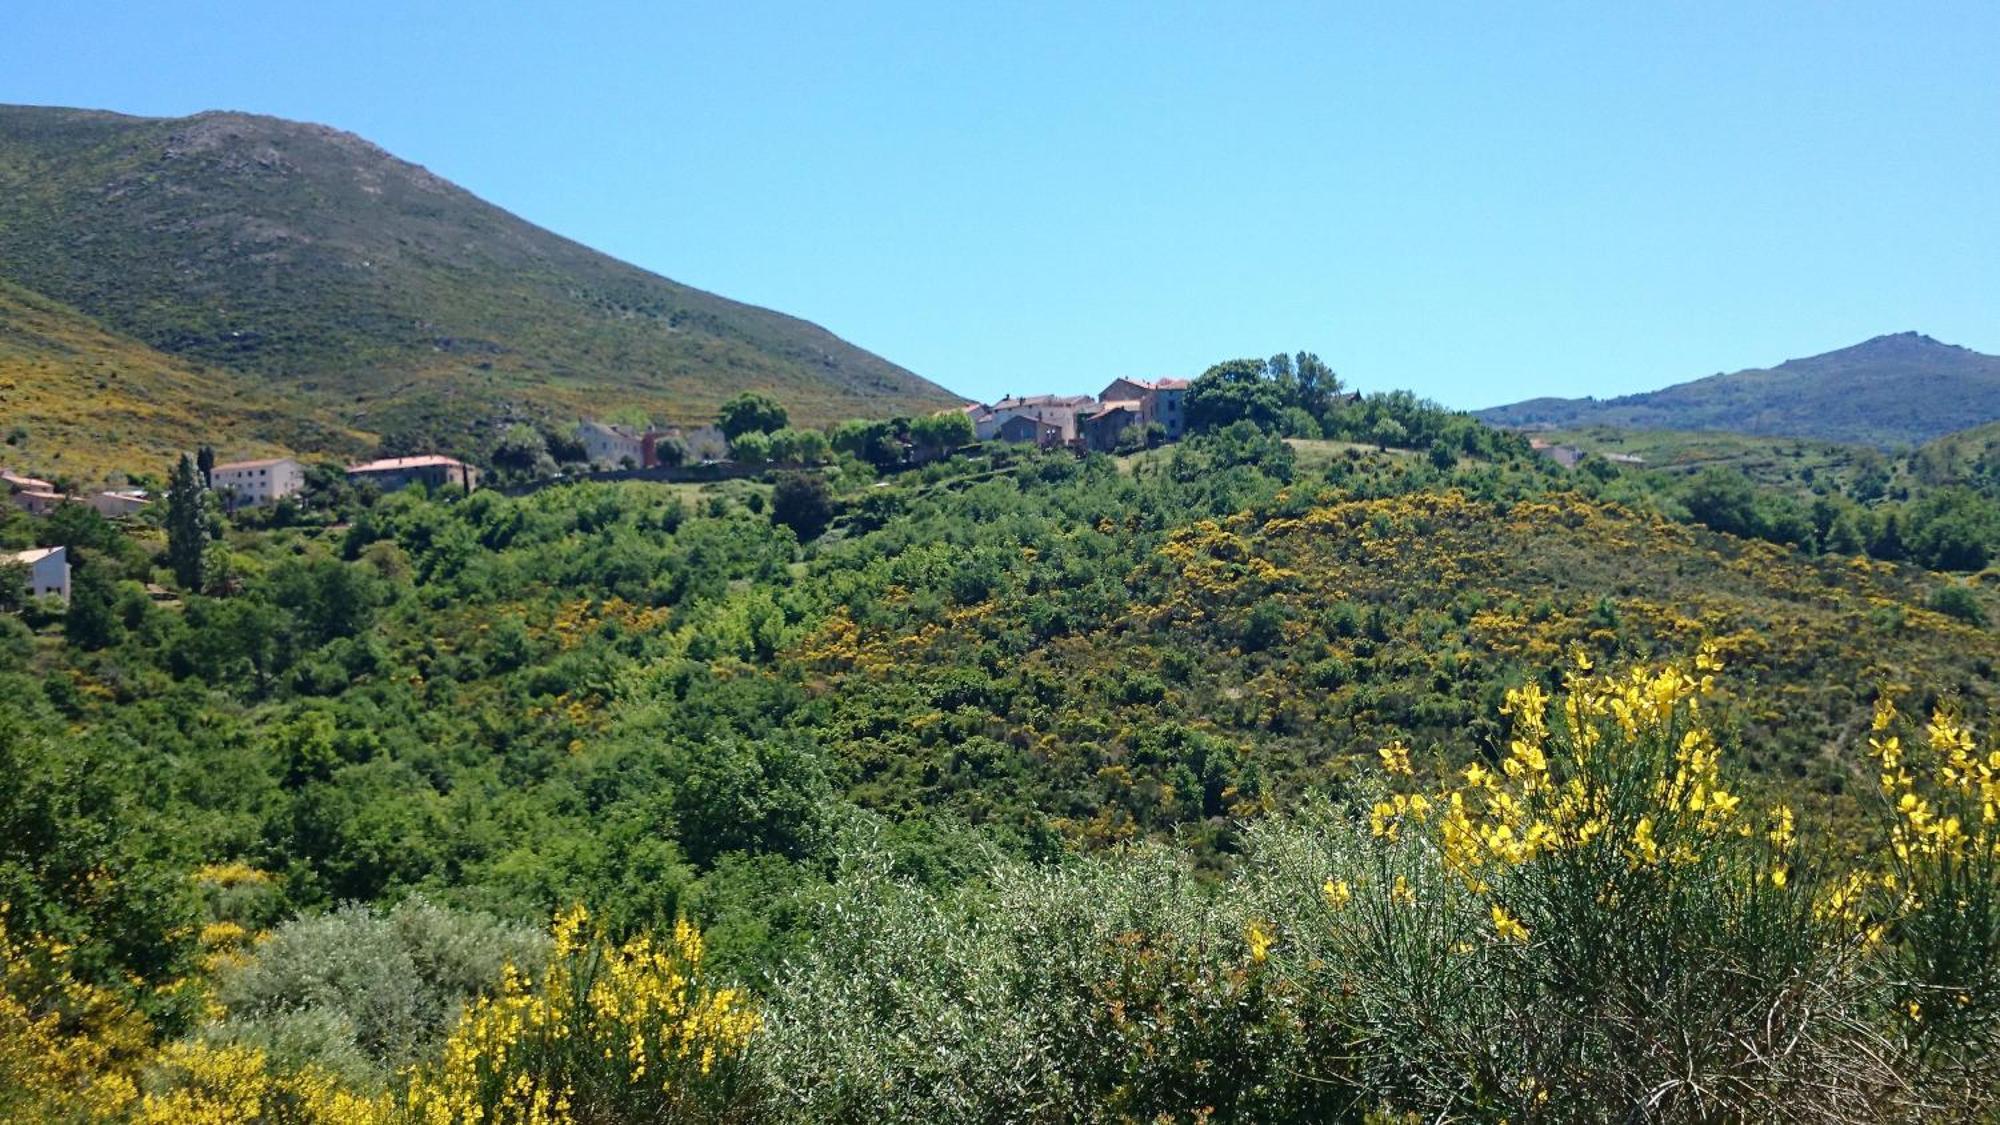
1081	421
242	484
39	497
253	484
248	484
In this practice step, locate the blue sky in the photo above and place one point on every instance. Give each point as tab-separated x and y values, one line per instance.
1478	202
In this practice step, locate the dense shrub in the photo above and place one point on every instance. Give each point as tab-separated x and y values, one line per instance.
1602	929
365	992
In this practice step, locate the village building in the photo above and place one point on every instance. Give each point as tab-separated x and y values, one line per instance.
33	495
431	470
118	503
607	447
48	572
1102	430
985	421
612	447
1060	411
15	482
1027	429
1083	422
1565	455
1160	402
703	443
252	484
38	501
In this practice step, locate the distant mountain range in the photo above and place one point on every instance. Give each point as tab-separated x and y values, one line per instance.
307	266
1904	389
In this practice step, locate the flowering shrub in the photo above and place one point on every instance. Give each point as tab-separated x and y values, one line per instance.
235	1085
627	1032
67	1049
1644	935
1598	923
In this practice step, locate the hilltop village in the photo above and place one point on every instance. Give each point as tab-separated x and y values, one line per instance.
1127	414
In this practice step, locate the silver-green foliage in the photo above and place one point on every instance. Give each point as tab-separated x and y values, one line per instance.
366	991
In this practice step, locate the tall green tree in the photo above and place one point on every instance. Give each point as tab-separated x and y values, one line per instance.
1237	390
751	411
802	502
187	524
945	430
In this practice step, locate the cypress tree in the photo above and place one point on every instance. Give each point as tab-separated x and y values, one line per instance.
187	531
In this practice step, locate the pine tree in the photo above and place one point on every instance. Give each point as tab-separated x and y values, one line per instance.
187	525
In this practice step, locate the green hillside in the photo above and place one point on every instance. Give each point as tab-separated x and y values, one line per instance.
1033	758
1890	391
80	402
377	292
1969	457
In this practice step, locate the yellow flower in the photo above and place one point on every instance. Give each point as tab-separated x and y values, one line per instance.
1507	926
1395	758
1401	894
1646	848
1782	834
1336	892
1259	939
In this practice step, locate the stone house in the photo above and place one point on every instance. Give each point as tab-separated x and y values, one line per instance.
1060	411
1026	428
432	470
1160	402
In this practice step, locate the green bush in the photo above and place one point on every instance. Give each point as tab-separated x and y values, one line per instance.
367	992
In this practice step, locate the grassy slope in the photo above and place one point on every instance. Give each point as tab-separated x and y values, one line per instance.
1970	457
1777	462
318	262
1889	391
79	402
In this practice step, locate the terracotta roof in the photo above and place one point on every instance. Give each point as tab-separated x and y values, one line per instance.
16	480
262	463
1171	385
391	464
36	555
1115	407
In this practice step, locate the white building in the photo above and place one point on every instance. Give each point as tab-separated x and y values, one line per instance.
251	484
610	447
48	572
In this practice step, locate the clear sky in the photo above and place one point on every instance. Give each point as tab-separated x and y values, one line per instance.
1479	202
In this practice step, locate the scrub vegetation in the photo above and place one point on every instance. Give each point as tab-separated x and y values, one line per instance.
1240	779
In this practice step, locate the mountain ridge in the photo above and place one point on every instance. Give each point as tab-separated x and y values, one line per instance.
326	266
1897	389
